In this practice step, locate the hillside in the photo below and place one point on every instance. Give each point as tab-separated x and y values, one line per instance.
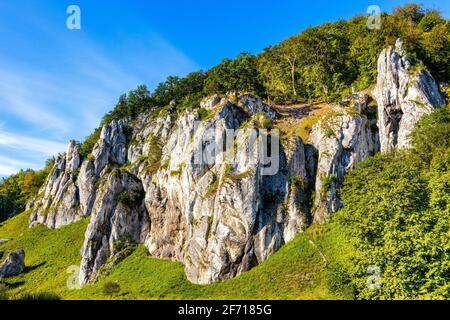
318	169
297	271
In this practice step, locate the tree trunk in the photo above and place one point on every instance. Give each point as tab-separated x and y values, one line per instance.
292	61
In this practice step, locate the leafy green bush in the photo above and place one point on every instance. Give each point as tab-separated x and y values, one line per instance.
298	182
111	288
397	211
40	296
88	144
3	292
339	280
328	182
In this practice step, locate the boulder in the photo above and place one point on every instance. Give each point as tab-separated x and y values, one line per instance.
13	265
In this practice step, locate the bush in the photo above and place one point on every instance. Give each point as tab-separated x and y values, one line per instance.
88	145
111	288
397	212
3	292
40	296
328	182
18	189
339	280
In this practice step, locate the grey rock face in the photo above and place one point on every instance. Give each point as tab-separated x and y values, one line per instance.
111	148
210	102
219	218
13	265
119	219
342	140
405	92
253	105
58	204
70	190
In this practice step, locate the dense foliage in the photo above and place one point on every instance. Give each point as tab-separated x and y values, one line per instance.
324	62
18	189
397	211
175	94
235	76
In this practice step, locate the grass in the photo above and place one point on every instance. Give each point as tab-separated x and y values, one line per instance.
296	271
208	114
179	171
48	254
303	127
327	183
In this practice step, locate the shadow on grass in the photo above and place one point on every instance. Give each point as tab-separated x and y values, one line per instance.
32	268
13	285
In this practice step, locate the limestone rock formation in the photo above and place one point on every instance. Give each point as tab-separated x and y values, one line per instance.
342	139
405	92
219	213
13	265
70	189
59	202
118	220
253	105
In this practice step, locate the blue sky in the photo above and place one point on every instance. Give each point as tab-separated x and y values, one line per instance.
56	84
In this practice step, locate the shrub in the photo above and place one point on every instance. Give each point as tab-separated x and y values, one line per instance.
297	181
328	182
338	280
88	145
3	292
111	288
397	213
212	189
39	296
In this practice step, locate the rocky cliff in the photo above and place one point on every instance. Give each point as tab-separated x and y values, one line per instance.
217	187
405	92
343	139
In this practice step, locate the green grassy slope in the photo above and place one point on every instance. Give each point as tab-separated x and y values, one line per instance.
298	271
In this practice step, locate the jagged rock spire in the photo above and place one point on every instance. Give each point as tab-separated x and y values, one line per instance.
405	92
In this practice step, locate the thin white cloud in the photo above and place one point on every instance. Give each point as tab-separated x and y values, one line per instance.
44	147
63	95
10	166
25	94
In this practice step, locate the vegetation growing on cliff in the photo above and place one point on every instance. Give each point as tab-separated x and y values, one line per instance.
322	63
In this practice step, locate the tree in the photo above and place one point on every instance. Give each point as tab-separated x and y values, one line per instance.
436	51
430	20
18	189
237	76
410	11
